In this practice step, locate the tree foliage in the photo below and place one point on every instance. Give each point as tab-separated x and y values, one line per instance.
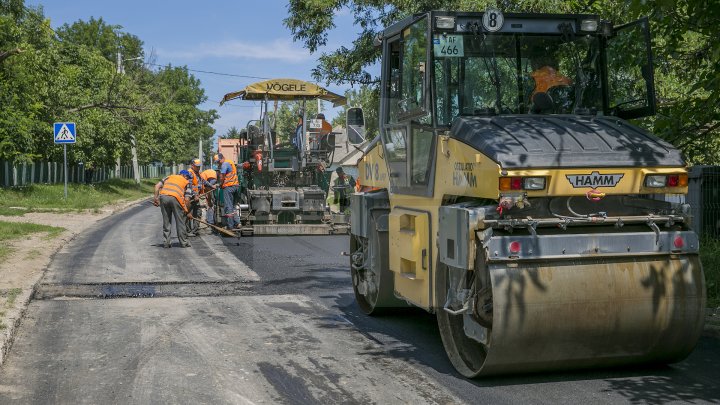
71	75
285	119
368	98
685	46
231	133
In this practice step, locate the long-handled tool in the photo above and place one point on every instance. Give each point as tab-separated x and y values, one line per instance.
215	227
206	193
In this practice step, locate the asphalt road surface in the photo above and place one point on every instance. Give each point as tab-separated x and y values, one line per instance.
119	319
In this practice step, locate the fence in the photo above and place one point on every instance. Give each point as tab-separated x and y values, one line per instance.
704	198
25	174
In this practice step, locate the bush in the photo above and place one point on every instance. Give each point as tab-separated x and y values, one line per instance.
710	256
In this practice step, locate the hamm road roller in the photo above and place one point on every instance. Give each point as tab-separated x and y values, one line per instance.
509	195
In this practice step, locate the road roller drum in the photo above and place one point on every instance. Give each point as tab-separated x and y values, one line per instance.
582	313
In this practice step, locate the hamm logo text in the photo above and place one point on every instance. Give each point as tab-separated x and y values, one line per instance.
594	180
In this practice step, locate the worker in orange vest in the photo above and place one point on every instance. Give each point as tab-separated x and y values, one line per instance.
172	195
230	183
545	76
210	177
198	185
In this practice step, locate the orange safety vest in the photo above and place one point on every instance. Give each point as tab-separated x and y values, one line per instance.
326	128
546	78
209	174
195	181
231	179
175	185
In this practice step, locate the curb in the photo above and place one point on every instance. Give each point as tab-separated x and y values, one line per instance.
15	315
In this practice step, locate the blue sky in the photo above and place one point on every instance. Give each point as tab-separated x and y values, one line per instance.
237	37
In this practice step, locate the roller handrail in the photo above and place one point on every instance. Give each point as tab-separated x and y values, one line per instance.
563	222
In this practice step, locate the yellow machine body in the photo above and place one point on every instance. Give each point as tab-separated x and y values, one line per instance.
549	314
541	239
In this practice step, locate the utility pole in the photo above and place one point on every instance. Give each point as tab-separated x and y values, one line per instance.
200	154
133	144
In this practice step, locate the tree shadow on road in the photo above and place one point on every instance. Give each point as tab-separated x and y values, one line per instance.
413	336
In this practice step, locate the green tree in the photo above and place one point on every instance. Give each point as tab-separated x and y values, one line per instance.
285	119
232	133
368	98
687	74
72	77
27	65
686	50
171	129
105	38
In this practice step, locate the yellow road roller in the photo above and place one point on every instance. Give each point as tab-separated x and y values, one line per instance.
509	195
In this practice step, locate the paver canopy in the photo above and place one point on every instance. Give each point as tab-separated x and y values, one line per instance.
285	89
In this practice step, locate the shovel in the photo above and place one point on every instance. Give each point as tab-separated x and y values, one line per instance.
217	228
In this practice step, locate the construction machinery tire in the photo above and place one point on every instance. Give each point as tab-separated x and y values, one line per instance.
373	284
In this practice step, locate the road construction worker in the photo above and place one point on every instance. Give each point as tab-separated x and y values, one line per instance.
230	183
325	127
298	135
545	76
172	195
210	177
342	188
198	186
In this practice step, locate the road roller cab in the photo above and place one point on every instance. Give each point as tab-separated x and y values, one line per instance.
508	194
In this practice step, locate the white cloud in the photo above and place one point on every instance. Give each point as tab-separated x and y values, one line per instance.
278	50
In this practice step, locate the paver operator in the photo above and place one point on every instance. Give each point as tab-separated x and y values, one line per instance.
173	195
199	186
229	183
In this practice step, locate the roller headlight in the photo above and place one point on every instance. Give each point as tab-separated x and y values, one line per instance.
534	183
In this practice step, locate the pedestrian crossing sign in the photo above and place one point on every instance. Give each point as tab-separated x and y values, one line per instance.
64	132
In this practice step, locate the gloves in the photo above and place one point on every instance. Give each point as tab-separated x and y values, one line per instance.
156	202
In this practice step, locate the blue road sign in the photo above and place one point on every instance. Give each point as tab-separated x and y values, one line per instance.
64	132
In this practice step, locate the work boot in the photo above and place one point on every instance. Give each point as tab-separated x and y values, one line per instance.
166	245
187	245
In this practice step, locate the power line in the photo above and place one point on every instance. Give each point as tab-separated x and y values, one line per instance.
213	73
29	10
236	105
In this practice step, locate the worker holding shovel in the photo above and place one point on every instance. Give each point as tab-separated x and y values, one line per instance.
199	185
172	195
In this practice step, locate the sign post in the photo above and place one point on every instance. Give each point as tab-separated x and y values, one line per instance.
64	134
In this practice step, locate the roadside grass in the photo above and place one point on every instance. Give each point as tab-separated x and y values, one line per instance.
710	256
9	296
12	212
49	197
18	230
